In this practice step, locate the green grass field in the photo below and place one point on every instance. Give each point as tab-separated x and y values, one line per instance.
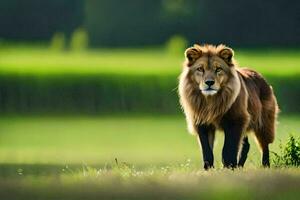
42	61
75	157
128	156
99	140
125	80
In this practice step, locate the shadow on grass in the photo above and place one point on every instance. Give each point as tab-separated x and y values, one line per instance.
53	170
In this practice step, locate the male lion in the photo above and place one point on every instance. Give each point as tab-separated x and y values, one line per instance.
216	94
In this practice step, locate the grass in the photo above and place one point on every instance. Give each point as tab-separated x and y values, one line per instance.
41	61
156	159
74	157
139	140
120	80
95	140
119	183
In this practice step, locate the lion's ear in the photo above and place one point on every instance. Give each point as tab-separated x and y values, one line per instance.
192	54
226	54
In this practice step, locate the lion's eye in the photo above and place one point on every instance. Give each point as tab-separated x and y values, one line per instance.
219	69
200	69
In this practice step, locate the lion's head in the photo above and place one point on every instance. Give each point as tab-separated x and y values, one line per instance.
209	67
209	83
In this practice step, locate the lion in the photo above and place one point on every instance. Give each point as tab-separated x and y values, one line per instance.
215	94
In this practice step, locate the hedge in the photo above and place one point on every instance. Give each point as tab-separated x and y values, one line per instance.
108	94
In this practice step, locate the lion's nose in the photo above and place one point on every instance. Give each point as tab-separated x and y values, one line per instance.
209	82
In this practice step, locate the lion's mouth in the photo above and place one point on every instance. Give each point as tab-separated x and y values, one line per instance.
209	91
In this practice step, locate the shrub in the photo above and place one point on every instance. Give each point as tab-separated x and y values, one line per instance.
176	45
289	154
79	40
58	42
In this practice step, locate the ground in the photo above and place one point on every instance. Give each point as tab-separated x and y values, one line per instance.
132	157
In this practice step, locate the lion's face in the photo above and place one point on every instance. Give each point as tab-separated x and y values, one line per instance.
209	71
210	74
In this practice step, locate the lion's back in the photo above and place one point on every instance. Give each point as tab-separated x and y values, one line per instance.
262	103
256	84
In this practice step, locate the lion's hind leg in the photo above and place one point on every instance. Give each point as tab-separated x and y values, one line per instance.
265	132
265	136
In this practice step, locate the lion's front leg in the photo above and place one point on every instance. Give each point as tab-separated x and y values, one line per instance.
205	137
233	135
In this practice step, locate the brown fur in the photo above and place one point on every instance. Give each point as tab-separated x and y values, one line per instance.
243	96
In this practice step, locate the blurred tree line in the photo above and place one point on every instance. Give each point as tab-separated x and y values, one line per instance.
137	23
37	20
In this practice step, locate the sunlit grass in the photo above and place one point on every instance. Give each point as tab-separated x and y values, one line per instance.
138	140
41	61
74	157
169	182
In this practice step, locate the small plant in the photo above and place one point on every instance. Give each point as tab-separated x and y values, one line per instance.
289	155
